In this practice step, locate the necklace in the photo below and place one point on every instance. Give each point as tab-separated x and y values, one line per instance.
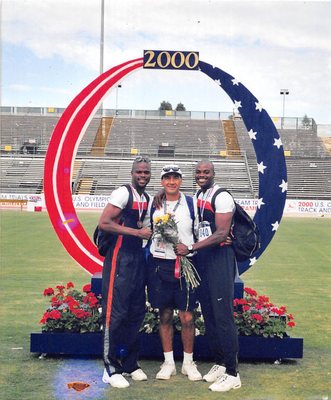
140	201
205	197
175	208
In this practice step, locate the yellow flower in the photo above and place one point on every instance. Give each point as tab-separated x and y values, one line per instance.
157	219
165	218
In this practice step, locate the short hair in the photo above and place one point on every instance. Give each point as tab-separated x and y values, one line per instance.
206	161
140	159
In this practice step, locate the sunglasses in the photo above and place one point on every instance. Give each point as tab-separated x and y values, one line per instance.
170	168
142	159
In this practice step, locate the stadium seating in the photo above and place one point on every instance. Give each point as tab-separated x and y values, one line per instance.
18	129
147	135
187	141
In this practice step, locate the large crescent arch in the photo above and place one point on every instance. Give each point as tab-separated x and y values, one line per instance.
71	128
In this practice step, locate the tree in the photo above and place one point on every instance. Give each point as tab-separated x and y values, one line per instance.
165	105
180	107
306	122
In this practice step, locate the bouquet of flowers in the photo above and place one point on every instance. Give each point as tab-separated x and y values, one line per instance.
165	228
71	310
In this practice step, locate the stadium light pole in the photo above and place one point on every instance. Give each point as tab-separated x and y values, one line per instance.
117	87
283	92
102	40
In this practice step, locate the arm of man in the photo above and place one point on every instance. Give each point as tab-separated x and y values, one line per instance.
223	224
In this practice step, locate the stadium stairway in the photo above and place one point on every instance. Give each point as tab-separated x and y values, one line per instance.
231	140
99	144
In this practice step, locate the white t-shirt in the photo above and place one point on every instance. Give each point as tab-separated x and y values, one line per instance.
120	197
184	225
224	202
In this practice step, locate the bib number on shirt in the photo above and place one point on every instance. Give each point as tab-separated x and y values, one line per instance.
204	231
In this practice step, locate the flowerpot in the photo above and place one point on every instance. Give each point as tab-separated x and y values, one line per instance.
251	347
66	343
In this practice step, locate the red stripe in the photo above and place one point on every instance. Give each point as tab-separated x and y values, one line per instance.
77	242
177	267
111	280
207	205
135	205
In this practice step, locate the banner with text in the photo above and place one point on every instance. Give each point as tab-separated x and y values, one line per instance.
98	202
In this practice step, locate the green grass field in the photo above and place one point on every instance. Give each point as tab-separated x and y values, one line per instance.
294	271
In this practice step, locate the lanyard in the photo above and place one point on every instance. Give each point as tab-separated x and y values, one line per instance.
175	208
205	197
140	201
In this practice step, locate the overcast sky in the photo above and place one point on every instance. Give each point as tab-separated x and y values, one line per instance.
51	51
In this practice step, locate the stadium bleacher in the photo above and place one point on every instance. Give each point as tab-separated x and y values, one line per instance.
148	134
186	141
19	129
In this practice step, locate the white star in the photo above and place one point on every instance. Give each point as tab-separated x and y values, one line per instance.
258	106
260	203
275	226
278	143
252	261
235	82
283	185
237	104
218	82
261	167
252	134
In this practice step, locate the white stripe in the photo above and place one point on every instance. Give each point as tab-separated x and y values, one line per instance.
59	150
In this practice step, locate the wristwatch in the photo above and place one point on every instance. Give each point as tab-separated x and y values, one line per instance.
190	248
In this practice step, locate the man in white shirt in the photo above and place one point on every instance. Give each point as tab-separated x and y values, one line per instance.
123	276
166	291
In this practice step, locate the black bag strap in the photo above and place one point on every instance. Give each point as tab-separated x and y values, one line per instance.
217	192
212	202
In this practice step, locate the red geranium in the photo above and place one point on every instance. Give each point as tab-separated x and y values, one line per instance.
250	291
256	315
55	314
71	310
87	288
48	292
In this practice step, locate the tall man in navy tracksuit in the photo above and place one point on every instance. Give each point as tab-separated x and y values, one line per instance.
123	276
217	269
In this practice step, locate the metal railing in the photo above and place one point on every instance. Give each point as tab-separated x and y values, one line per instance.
280	122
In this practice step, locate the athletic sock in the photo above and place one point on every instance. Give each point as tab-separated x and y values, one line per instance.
188	357
169	357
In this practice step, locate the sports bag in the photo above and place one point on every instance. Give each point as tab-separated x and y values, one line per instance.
244	233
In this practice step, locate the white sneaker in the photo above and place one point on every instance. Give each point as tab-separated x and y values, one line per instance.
190	369
167	370
226	383
115	380
216	371
138	375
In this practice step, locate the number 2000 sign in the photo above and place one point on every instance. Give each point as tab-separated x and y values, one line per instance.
155	59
